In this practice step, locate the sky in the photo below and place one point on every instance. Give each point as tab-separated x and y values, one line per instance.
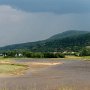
32	20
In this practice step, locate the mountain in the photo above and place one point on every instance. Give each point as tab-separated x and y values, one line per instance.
68	34
72	40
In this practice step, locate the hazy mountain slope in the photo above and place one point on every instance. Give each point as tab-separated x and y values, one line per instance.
70	41
68	34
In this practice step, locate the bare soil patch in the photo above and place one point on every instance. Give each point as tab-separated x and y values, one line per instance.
12	68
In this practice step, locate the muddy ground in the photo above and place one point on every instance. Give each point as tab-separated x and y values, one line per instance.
71	75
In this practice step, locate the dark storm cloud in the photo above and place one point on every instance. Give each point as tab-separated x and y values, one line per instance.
56	6
33	20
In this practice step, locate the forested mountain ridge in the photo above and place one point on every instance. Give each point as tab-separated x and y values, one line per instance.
66	41
68	34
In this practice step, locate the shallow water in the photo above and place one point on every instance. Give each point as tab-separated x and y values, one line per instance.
72	75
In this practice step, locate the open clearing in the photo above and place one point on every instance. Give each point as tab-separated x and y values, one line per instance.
50	74
8	68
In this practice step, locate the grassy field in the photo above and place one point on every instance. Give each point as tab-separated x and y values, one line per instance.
77	58
87	57
11	68
7	66
68	57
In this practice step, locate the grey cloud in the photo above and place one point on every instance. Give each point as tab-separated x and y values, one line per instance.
17	26
55	6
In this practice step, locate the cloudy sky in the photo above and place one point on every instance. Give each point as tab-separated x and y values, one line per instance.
32	20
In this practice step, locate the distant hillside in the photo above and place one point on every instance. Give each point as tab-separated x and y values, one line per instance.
68	34
69	40
73	43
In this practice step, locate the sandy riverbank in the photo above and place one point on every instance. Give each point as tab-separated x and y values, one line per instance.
19	68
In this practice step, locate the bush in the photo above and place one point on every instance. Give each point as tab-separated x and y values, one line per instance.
37	55
27	54
85	52
49	55
59	55
54	55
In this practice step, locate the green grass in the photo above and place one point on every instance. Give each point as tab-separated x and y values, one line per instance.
12	68
9	68
86	58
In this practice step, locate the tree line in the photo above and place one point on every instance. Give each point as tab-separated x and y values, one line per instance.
28	54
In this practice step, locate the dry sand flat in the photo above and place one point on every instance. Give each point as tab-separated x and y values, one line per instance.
31	66
37	65
40	63
71	75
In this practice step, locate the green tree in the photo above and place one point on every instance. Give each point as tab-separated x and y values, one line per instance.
85	52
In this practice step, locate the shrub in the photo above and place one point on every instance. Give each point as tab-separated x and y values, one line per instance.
85	52
49	55
59	55
37	55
